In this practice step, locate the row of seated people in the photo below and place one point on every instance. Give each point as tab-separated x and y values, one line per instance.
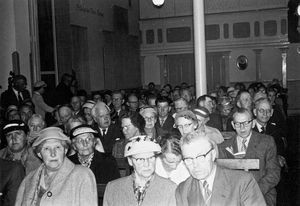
96	133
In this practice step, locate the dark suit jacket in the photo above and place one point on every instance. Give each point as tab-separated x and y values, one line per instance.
168	124
260	147
215	121
11	176
8	97
103	165
62	95
277	133
114	132
229	188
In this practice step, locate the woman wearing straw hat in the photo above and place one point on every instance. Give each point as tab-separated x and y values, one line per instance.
143	186
57	181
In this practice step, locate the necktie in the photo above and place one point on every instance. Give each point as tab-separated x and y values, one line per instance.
20	98
162	122
207	192
244	147
263	130
103	132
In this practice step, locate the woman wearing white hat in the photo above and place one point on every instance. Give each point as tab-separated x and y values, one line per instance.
143	186
57	181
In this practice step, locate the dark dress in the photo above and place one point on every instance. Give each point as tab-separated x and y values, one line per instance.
104	167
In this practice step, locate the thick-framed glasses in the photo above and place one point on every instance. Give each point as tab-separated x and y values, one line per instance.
149	119
201	157
84	141
141	161
265	111
243	124
184	126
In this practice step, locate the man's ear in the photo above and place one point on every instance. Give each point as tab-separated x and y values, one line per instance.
129	161
169	109
255	112
233	126
272	110
39	155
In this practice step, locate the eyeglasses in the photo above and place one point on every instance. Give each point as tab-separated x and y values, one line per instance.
201	157
82	141
265	111
244	124
149	118
184	126
141	161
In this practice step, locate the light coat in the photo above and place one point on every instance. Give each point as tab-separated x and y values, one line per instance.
161	192
72	186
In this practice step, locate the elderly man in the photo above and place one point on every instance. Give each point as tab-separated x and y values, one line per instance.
36	123
186	122
17	148
107	132
210	184
254	146
143	187
133	102
202	115
76	105
104	166
215	117
181	104
117	102
64	113
26	112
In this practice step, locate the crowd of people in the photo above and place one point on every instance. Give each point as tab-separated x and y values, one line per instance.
56	146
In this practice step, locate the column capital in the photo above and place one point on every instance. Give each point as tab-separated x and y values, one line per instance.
257	51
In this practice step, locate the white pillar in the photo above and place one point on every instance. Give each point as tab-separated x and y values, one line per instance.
284	51
199	39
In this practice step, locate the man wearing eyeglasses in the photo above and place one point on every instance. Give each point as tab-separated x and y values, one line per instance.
210	184
254	146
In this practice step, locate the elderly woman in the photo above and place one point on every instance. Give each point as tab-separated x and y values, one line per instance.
143	186
87	108
169	163
150	116
103	165
57	181
132	124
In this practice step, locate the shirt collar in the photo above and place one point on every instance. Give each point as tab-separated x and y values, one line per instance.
210	178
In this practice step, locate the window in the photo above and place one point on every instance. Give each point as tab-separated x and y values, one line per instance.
283	26
159	36
226	31
241	30
270	28
150	36
256	29
212	32
180	34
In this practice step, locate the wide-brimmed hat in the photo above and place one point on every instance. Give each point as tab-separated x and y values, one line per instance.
40	84
50	133
147	109
141	144
81	129
201	112
14	125
188	114
89	104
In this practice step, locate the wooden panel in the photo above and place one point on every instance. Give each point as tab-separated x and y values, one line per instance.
239	164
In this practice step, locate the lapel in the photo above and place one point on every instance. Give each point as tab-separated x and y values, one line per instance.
195	197
63	172
253	142
221	189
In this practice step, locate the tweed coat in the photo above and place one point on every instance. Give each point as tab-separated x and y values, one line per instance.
230	188
260	147
161	192
74	185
